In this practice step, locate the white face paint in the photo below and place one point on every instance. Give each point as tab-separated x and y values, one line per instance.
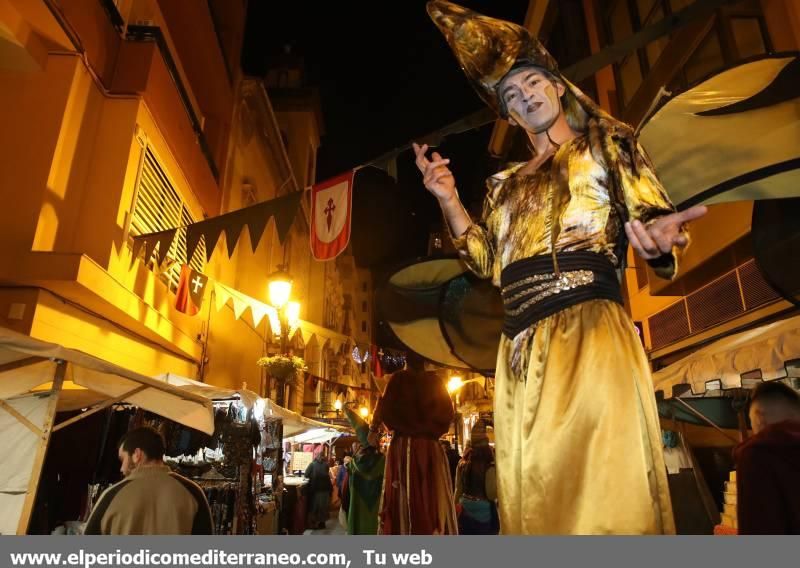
531	98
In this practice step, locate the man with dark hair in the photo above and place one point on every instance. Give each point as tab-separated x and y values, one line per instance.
151	499
768	463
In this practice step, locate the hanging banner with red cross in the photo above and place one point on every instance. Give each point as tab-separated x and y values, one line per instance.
191	288
331	210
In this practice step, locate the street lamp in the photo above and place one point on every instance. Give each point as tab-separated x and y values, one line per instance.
280	290
364	411
454	385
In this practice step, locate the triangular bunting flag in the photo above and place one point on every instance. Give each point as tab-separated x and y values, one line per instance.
194	233
274	322
284	211
259	311
222	295
233	229
164	244
212	229
240	304
257	218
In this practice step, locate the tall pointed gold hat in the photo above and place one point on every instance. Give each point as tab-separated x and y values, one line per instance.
488	48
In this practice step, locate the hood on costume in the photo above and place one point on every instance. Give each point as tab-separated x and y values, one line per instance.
359	425
488	48
782	437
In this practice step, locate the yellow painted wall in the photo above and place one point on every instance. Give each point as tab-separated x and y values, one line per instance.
67	325
79	149
722	226
301	130
31	109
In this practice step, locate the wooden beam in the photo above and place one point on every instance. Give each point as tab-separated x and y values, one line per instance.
15	413
20	363
98	407
675	55
41	451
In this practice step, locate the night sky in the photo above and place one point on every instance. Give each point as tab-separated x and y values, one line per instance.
386	77
384	71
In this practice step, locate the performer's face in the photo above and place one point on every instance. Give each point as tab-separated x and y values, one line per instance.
531	98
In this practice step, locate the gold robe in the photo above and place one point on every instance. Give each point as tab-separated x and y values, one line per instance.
577	433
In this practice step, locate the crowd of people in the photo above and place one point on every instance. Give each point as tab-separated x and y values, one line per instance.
152	499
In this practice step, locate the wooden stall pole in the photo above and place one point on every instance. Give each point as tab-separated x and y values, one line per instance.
41	451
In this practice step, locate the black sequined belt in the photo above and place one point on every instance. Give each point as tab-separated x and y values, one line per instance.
533	288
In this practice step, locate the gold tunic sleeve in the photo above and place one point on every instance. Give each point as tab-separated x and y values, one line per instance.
476	245
644	196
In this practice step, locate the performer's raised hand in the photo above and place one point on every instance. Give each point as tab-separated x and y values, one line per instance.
437	177
658	237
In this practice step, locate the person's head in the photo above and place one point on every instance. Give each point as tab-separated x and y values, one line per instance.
347	460
530	97
771	403
445	444
415	361
138	447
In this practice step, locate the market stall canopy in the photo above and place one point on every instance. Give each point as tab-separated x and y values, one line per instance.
28	370
293	423
315	436
732	137
764	353
27	367
211	392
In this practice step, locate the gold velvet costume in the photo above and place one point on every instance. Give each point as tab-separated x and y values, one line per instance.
577	434
578	439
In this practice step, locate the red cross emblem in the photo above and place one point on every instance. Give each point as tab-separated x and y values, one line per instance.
329	212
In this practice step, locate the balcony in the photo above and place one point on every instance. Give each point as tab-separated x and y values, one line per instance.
735	294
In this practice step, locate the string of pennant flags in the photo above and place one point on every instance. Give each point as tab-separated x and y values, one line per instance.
193	287
331	214
330	226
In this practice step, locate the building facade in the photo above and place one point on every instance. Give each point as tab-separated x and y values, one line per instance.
125	117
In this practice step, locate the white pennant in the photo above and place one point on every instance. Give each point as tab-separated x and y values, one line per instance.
240	304
259	311
223	294
274	322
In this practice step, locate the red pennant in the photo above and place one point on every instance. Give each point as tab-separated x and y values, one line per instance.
331	215
191	288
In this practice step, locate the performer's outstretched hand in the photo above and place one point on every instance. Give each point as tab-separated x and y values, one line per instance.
661	235
437	177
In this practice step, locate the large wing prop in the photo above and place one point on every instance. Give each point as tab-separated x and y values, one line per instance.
733	137
438	309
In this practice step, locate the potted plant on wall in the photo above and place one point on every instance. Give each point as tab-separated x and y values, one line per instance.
283	368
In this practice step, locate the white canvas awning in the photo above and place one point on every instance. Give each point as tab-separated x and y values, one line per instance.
37	379
211	392
293	423
766	353
315	436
